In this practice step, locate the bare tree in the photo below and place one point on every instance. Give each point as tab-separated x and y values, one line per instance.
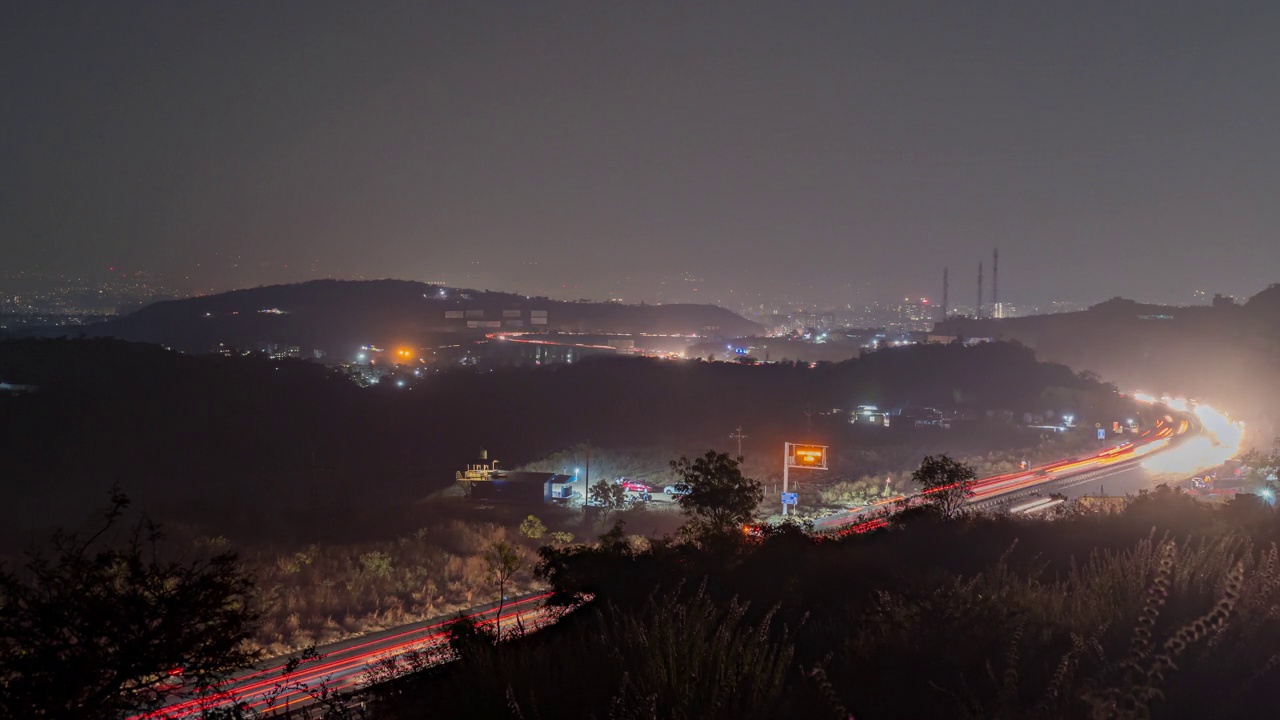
503	560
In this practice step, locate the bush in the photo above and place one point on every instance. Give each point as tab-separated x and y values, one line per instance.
978	617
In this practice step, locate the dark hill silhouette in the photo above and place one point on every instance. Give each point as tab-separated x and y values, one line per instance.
1227	353
276	445
338	316
1266	304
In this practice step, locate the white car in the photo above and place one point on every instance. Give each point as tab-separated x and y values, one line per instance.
677	489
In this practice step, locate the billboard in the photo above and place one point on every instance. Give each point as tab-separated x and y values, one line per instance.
807	456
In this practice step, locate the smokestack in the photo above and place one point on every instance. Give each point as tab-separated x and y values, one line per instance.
995	283
946	289
978	313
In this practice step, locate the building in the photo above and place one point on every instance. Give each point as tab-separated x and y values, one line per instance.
507	351
869	415
520	488
477	318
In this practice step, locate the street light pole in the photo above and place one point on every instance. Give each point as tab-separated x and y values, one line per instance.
786	468
586	483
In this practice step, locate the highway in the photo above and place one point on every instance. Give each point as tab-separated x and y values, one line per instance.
1072	477
342	666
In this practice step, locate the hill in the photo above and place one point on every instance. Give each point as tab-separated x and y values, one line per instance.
338	316
296	449
1226	352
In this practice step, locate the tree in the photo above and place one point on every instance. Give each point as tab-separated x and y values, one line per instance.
608	497
103	627
720	498
945	484
533	528
502	560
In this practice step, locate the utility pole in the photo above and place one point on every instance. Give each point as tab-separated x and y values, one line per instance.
737	435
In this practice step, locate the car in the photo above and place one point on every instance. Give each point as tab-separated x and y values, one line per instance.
677	489
633	486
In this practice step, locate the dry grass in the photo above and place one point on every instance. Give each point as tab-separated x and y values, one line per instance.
325	593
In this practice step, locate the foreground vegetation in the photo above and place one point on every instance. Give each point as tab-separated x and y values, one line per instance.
1170	609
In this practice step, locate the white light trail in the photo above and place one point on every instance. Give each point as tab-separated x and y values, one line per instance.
1221	440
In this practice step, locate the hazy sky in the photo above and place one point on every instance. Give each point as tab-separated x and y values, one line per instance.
1127	147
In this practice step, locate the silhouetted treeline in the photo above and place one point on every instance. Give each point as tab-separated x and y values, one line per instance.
297	449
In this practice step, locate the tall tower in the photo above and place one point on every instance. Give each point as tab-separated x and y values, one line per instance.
978	312
946	289
995	284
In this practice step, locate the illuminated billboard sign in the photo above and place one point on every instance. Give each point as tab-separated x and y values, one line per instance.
808	456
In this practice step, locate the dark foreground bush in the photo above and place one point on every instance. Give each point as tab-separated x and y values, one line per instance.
976	618
678	656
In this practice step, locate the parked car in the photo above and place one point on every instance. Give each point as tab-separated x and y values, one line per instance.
633	486
677	489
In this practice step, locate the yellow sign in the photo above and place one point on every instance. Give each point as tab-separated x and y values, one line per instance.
811	456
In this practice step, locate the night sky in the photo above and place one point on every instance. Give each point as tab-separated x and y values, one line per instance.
843	150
